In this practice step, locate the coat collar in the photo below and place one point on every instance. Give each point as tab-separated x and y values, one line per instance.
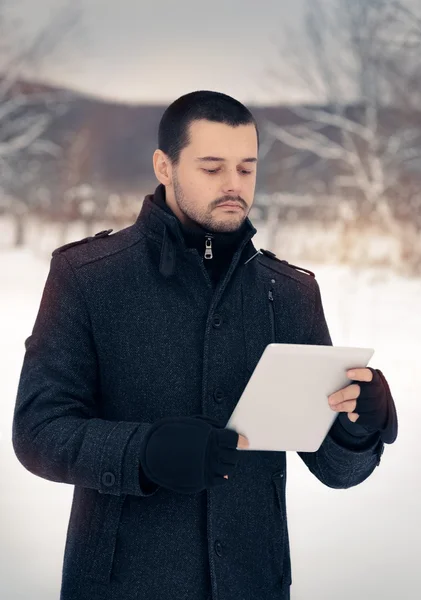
157	221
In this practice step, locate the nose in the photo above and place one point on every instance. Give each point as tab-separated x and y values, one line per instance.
232	184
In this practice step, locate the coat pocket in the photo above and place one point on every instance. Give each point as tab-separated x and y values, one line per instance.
102	537
281	539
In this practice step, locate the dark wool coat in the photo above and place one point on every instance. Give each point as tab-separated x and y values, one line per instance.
129	330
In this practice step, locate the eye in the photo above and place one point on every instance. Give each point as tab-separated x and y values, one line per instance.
213	171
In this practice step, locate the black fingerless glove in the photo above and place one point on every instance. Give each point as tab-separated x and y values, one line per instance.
376	407
188	454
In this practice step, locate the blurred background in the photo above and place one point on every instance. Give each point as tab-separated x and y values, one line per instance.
335	86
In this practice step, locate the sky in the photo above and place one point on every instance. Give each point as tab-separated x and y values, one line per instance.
145	51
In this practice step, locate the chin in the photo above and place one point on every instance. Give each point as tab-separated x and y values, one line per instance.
226	226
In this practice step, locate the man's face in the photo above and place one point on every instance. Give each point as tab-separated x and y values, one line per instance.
199	185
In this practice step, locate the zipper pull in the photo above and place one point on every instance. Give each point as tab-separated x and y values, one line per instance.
208	246
270	295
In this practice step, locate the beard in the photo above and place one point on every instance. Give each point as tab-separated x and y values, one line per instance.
203	220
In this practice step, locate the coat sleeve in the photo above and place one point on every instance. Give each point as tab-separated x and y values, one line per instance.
56	431
348	454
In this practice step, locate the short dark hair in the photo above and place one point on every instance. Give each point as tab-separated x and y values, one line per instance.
173	131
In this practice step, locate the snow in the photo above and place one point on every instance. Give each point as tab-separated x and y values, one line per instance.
345	544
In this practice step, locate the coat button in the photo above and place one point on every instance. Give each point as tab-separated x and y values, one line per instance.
108	479
218	548
216	321
218	395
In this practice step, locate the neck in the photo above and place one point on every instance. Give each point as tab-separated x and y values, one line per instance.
194	233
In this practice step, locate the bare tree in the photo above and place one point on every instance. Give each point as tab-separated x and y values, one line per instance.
402	62
350	56
25	111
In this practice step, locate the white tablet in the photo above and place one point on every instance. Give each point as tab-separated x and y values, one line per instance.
285	403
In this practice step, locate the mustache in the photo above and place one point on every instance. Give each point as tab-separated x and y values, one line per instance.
229	199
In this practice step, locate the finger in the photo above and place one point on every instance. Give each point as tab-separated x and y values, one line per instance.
360	374
227	438
226	476
351	392
228	459
353	416
242	442
348	406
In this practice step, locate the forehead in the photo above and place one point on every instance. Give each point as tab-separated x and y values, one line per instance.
218	139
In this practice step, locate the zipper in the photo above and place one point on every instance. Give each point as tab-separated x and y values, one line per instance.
272	315
208	245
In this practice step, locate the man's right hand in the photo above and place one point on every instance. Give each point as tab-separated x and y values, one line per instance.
242	443
190	454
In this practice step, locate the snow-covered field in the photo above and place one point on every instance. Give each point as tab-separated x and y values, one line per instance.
345	544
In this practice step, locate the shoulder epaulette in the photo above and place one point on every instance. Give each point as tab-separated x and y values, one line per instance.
285	262
100	234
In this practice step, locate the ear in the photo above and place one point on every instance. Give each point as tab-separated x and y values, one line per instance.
162	167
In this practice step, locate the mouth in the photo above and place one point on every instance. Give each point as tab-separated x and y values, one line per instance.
229	205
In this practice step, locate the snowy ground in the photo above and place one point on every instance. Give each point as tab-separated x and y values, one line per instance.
345	544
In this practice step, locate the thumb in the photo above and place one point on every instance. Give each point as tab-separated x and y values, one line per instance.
242	442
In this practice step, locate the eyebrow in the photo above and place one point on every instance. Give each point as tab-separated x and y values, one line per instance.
219	159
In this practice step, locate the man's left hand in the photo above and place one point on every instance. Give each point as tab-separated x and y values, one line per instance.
369	402
370	397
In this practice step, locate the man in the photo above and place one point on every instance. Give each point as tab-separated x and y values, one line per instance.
142	346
